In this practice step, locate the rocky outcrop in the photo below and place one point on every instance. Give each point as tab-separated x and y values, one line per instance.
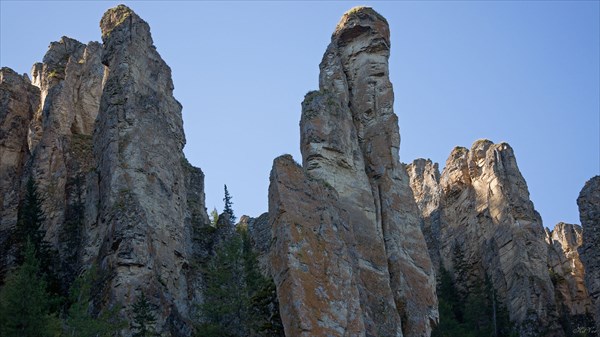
589	214
425	183
19	101
566	270
349	257
60	134
489	227
143	208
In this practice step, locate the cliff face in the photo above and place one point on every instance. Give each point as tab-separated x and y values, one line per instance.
566	269
100	133
138	140
348	245
19	100
589	213
488	224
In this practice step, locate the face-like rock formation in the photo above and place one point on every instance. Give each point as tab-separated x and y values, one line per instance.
487	223
589	214
349	257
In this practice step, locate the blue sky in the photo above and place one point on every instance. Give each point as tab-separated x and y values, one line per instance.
527	73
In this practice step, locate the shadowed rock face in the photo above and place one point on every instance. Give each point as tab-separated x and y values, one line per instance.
486	220
349	247
567	271
143	221
18	102
589	214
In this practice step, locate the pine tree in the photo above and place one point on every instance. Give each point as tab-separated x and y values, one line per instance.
228	203
79	321
25	304
143	318
31	218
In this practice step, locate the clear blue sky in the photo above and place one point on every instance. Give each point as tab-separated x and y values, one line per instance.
526	73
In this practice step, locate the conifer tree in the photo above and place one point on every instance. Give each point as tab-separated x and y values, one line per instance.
143	318
215	217
25	303
228	209
31	218
79	321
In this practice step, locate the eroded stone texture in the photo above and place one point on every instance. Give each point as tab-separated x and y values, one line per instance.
589	214
489	227
138	141
566	269
353	184
19	100
60	134
425	183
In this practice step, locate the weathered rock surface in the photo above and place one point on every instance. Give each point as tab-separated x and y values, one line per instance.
349	257
487	222
138	141
19	100
566	270
589	214
425	183
60	134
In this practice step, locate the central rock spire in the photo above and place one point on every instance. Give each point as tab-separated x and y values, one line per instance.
349	256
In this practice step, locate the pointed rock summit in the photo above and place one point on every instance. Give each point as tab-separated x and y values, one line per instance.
349	258
144	224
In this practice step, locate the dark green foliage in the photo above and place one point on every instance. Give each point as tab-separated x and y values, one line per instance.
80	322
30	220
228	203
143	318
239	300
29	227
479	314
25	303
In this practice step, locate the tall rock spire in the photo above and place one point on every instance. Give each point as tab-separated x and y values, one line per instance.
145	242
350	205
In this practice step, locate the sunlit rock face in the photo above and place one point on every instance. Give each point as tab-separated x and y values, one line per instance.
566	270
486	223
589	214
60	134
19	101
349	257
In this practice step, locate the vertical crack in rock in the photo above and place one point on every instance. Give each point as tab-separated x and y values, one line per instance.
350	203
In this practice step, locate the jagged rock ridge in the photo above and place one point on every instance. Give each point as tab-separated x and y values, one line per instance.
477	213
348	246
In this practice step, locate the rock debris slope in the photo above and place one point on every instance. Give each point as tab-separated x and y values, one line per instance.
589	214
348	257
485	221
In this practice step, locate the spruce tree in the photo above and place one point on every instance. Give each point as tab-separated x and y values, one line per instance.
25	303
31	218
143	318
80	322
228	209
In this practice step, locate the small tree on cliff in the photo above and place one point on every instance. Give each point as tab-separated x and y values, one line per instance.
143	318
228	209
